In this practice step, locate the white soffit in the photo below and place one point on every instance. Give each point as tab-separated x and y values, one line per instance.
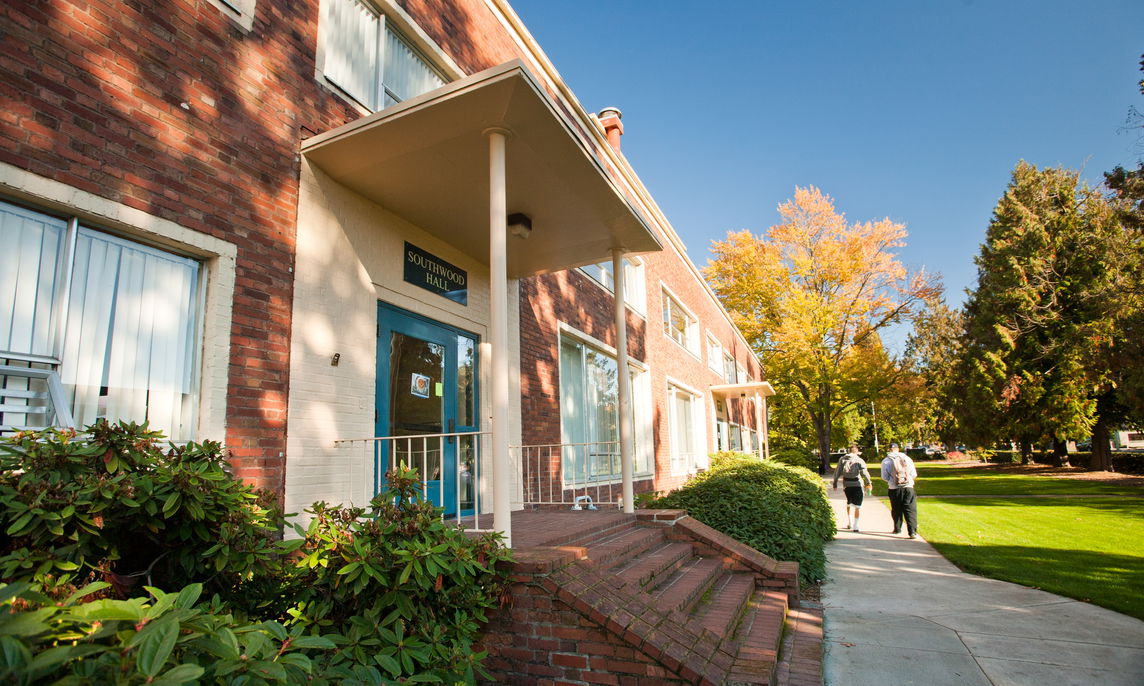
738	390
426	160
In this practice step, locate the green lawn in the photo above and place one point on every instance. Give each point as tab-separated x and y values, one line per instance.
1081	548
950	479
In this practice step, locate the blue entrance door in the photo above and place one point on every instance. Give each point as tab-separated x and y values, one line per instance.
427	386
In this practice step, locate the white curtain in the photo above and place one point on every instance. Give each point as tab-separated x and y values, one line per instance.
33	247
405	74
130	347
351	49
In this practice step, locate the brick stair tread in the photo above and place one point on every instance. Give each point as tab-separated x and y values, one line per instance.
681	590
654	564
727	605
623	545
759	638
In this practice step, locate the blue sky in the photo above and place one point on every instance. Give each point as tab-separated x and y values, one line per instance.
916	110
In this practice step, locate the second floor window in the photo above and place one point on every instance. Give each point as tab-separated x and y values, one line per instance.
634	294
679	324
368	60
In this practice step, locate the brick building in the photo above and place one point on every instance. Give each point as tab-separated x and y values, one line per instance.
295	226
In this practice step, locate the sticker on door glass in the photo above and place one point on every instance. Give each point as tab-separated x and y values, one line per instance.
420	386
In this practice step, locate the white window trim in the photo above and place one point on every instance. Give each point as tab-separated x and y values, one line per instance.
643	431
637	306
218	258
402	23
698	423
714	362
240	12
694	330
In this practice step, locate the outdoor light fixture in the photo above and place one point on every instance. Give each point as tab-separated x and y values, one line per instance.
519	225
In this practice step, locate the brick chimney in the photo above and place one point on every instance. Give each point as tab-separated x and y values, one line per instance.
613	128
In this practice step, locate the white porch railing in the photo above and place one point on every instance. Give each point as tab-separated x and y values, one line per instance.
460	492
564	473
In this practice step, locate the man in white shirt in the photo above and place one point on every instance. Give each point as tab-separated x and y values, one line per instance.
899	473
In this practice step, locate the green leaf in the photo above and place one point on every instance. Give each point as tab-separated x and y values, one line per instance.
313	642
388	664
189	596
18	526
182	674
349	568
156	641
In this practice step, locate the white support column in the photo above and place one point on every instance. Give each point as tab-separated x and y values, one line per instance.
625	382
498	333
766	429
760	425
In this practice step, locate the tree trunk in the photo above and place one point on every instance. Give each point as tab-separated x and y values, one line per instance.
1060	457
822	434
1101	459
1026	452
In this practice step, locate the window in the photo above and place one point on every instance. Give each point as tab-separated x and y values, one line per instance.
736	437
741	373
679	324
241	11
635	294
686	442
729	369
589	414
714	354
369	61
118	321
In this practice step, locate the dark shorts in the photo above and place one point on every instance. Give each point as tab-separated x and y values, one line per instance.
853	495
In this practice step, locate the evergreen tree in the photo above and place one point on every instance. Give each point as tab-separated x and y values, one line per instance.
1039	323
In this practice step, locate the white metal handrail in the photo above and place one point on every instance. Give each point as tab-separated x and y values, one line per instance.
426	453
564	473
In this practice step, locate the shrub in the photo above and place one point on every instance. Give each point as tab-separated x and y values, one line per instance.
407	590
796	456
777	509
111	505
162	640
1128	463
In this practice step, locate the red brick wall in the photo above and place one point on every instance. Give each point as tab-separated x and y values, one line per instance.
540	640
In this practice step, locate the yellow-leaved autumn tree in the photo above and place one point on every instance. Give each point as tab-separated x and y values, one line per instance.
812	295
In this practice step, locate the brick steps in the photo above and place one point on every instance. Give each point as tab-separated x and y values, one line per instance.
662	600
698	597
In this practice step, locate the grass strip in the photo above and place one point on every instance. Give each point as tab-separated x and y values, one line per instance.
1084	549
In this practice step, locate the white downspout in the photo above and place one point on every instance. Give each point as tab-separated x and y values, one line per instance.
760	424
498	332
625	385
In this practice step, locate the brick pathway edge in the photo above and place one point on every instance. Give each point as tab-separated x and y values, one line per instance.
800	660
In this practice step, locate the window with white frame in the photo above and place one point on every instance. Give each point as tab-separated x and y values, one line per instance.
714	354
679	324
589	414
730	373
368	59
686	438
741	373
119	321
635	293
241	11
736	441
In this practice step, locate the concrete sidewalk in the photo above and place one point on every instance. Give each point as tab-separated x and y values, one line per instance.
897	613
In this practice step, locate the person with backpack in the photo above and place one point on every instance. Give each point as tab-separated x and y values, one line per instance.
854	475
899	473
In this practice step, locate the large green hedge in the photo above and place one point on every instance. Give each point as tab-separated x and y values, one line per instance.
777	509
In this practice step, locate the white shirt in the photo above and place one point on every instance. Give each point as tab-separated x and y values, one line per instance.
888	470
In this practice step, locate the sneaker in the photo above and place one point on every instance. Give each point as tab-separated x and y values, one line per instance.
857	530
897	531
913	535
